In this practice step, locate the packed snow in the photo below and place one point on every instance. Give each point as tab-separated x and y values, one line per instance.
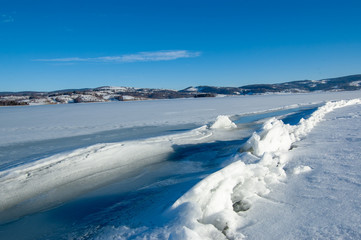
210	182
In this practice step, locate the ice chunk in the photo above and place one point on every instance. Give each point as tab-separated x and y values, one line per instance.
273	137
223	122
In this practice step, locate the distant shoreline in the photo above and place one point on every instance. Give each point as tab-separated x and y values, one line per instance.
112	94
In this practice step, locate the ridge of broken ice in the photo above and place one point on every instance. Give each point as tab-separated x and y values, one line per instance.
213	208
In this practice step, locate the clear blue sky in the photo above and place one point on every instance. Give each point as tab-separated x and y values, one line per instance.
58	44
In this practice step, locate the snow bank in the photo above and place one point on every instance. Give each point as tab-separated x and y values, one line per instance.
275	136
210	209
214	208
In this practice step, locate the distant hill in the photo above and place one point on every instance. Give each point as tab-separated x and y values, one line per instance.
108	93
347	83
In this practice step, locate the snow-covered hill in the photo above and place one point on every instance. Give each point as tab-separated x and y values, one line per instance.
108	93
347	83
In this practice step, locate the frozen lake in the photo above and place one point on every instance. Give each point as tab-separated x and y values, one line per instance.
74	169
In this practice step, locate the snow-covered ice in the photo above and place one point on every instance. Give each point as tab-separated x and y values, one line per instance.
24	123
214	180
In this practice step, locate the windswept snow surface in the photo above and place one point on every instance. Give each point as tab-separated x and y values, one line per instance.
200	183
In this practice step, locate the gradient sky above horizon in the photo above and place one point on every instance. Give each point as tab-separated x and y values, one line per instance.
60	44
